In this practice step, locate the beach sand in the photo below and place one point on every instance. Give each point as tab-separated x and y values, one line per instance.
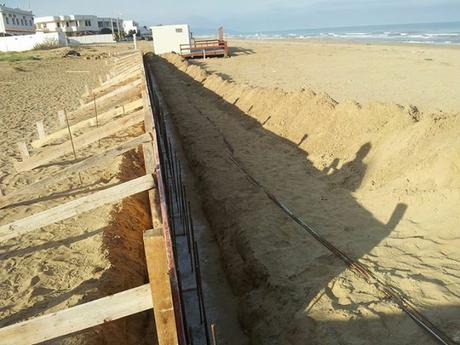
425	76
378	180
85	257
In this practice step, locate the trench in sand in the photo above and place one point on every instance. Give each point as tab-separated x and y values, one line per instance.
290	288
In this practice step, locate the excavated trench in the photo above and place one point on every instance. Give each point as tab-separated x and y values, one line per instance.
291	289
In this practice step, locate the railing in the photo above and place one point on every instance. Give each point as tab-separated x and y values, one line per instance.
203	48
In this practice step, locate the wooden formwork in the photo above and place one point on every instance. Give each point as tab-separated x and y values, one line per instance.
126	84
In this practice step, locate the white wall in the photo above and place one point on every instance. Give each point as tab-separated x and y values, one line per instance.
88	39
28	42
168	38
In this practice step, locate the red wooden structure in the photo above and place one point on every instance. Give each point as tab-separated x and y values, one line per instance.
205	48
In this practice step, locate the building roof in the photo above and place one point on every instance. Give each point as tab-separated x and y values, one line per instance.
51	19
15	10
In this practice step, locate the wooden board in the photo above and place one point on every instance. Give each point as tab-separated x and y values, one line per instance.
78	318
157	266
109	85
112	98
95	160
75	207
108	115
86	139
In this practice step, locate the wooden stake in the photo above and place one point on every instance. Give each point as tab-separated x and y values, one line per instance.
41	129
71	141
95	112
160	285
75	207
77	318
101	81
214	334
93	161
23	151
53	152
104	117
61	118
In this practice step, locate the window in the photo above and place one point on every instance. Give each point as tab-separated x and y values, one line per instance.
67	24
178	30
30	22
87	22
22	21
58	24
7	20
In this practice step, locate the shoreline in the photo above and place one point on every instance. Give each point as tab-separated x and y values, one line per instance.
409	75
455	46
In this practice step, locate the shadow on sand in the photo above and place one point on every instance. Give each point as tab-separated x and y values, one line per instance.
275	267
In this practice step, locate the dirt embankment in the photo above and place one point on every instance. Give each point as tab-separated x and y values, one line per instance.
380	181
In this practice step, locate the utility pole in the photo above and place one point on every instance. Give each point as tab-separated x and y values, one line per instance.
111	24
118	28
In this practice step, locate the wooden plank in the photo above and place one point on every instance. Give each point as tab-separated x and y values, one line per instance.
108	115
23	151
80	317
124	89
112	98
157	266
61	118
118	81
93	161
40	129
75	207
86	139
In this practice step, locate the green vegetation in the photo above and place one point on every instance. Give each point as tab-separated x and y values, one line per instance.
14	56
47	45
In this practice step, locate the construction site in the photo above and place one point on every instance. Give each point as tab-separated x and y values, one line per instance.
167	204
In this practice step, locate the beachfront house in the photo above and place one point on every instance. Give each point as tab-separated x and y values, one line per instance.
14	21
130	27
71	25
108	25
169	38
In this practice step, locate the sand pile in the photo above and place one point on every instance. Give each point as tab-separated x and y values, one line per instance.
403	141
380	181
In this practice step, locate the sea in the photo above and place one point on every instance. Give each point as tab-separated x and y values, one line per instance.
425	33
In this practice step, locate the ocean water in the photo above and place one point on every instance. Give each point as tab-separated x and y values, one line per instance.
429	33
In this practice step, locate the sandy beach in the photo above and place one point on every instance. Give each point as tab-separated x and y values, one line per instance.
82	258
378	178
422	75
359	141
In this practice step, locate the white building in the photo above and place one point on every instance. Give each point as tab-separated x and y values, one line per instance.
168	38
71	25
14	21
130	26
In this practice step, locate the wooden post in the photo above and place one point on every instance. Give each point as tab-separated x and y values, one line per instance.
71	141
23	151
61	118
101	81
86	90
157	266
41	129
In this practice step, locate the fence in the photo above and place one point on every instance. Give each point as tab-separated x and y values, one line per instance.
28	42
90	39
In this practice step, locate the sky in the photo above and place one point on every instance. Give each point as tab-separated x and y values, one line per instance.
256	15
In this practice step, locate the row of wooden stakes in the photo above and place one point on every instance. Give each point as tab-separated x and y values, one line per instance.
126	88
